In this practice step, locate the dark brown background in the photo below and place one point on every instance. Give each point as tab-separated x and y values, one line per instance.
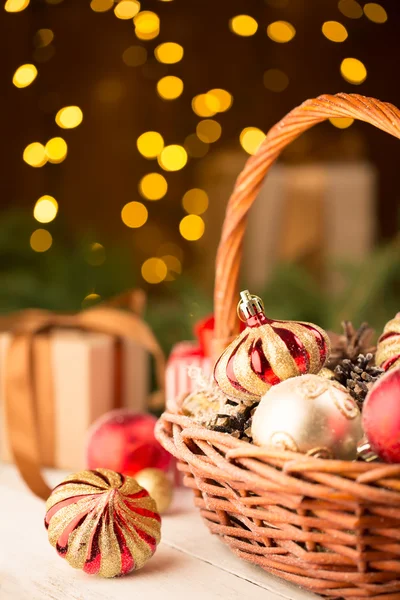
103	166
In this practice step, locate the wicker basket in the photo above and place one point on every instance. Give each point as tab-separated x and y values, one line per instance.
330	526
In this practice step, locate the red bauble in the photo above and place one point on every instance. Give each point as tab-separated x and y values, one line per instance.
381	416
124	441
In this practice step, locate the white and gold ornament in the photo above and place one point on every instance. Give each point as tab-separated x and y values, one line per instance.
268	352
309	414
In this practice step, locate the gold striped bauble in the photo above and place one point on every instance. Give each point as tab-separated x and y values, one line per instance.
102	522
268	352
388	349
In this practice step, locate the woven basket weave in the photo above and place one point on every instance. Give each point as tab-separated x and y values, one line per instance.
330	526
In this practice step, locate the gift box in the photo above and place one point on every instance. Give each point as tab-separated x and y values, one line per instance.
190	363
185	363
59	373
303	215
78	377
189	360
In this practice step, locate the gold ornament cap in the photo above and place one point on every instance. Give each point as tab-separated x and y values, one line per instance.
249	305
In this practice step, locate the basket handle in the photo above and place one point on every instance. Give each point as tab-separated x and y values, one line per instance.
382	115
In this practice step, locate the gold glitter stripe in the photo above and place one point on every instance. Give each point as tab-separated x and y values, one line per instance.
69	491
277	354
115	479
392	326
111	562
220	374
243	371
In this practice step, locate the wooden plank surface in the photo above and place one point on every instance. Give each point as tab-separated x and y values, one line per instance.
189	563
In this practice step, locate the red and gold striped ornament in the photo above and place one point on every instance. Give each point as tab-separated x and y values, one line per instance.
268	352
102	522
388	349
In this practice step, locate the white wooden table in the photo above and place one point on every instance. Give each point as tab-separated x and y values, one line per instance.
190	563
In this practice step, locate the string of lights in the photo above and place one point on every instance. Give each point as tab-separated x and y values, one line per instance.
172	155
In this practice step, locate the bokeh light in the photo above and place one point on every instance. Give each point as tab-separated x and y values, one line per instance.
195	201
169	53
170	87
24	75
353	71
205	105
146	36
173	158
341	122
96	254
243	25
154	270
147	25
174	266
41	240
153	186
127	9
43	37
56	150
150	144
134	214
275	80
251	138
91	300
281	32
208	131
195	147
14	6
334	31
191	227
101	5
375	12
44	54
170	248
350	9
45	209
222	97
134	56
69	117
35	155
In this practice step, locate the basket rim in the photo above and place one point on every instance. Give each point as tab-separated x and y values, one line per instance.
292	461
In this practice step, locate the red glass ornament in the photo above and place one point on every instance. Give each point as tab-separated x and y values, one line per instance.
381	416
268	352
124	441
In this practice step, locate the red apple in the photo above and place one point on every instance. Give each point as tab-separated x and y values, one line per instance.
381	416
124	441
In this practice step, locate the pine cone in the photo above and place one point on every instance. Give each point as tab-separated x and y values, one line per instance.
358	375
350	343
236	420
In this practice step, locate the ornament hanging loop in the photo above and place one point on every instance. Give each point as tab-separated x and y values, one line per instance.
249	305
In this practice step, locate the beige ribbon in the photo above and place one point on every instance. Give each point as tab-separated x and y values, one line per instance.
21	401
